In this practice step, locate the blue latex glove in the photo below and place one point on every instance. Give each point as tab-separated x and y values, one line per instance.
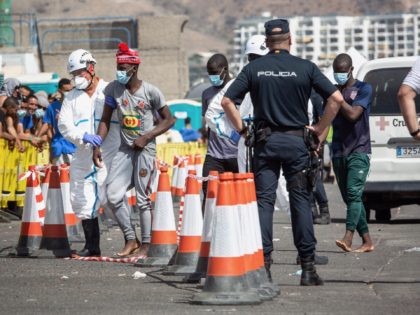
94	140
235	136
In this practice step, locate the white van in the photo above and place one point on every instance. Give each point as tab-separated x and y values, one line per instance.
394	178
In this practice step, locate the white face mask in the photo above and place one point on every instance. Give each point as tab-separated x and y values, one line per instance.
81	83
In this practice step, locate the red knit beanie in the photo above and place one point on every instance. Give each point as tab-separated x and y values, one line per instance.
127	55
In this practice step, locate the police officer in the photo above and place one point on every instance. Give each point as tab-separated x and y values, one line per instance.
280	86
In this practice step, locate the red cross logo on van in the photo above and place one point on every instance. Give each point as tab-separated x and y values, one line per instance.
382	123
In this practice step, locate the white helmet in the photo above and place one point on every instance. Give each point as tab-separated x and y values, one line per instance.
256	45
79	59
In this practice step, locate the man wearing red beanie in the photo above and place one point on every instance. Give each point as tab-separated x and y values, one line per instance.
137	102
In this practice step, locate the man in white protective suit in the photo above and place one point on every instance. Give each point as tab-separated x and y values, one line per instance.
78	120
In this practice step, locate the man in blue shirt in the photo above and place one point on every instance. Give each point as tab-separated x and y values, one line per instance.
61	149
188	133
351	150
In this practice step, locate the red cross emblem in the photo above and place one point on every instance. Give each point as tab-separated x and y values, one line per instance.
382	123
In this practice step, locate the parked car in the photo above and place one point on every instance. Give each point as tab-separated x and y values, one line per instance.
394	178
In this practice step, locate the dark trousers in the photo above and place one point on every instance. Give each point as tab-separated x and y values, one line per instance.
290	153
319	194
220	165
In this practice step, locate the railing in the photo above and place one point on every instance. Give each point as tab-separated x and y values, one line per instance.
21	27
53	43
69	33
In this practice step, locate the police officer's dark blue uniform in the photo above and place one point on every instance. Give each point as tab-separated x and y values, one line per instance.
280	85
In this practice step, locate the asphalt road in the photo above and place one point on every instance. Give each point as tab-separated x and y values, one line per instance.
386	281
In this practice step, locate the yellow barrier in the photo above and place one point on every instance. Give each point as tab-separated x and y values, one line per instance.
12	164
167	151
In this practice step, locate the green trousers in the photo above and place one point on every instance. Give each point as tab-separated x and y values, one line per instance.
351	173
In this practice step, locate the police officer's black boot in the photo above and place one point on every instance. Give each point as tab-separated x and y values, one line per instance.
309	275
92	242
267	264
324	217
319	260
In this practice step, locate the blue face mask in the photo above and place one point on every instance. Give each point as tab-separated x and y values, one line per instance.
122	76
215	79
341	77
39	113
21	113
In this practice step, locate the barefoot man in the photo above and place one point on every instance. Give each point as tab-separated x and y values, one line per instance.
351	150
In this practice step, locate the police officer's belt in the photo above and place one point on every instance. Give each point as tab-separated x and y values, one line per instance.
295	132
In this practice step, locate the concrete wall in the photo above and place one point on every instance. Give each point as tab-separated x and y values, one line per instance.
164	61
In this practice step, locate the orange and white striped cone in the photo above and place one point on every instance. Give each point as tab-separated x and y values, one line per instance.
192	226
131	197
30	229
55	234
163	244
258	248
190	163
209	210
182	176
45	181
226	283
198	165
73	224
175	166
251	258
155	182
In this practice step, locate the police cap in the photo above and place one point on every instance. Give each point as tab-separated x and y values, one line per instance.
282	24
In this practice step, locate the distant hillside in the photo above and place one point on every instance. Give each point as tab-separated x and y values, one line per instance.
211	22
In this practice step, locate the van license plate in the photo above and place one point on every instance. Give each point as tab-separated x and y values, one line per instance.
408	152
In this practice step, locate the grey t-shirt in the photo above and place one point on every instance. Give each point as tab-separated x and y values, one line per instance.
136	111
217	147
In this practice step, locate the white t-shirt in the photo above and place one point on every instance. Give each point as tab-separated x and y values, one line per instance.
413	77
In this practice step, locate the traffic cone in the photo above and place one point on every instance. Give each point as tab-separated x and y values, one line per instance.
131	197
73	224
45	181
248	236
54	234
258	249
198	165
192	225
190	163
155	182
163	244
226	283
175	166
180	181
209	210
30	229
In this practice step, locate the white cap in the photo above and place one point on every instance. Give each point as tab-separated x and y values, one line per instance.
79	59
256	45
